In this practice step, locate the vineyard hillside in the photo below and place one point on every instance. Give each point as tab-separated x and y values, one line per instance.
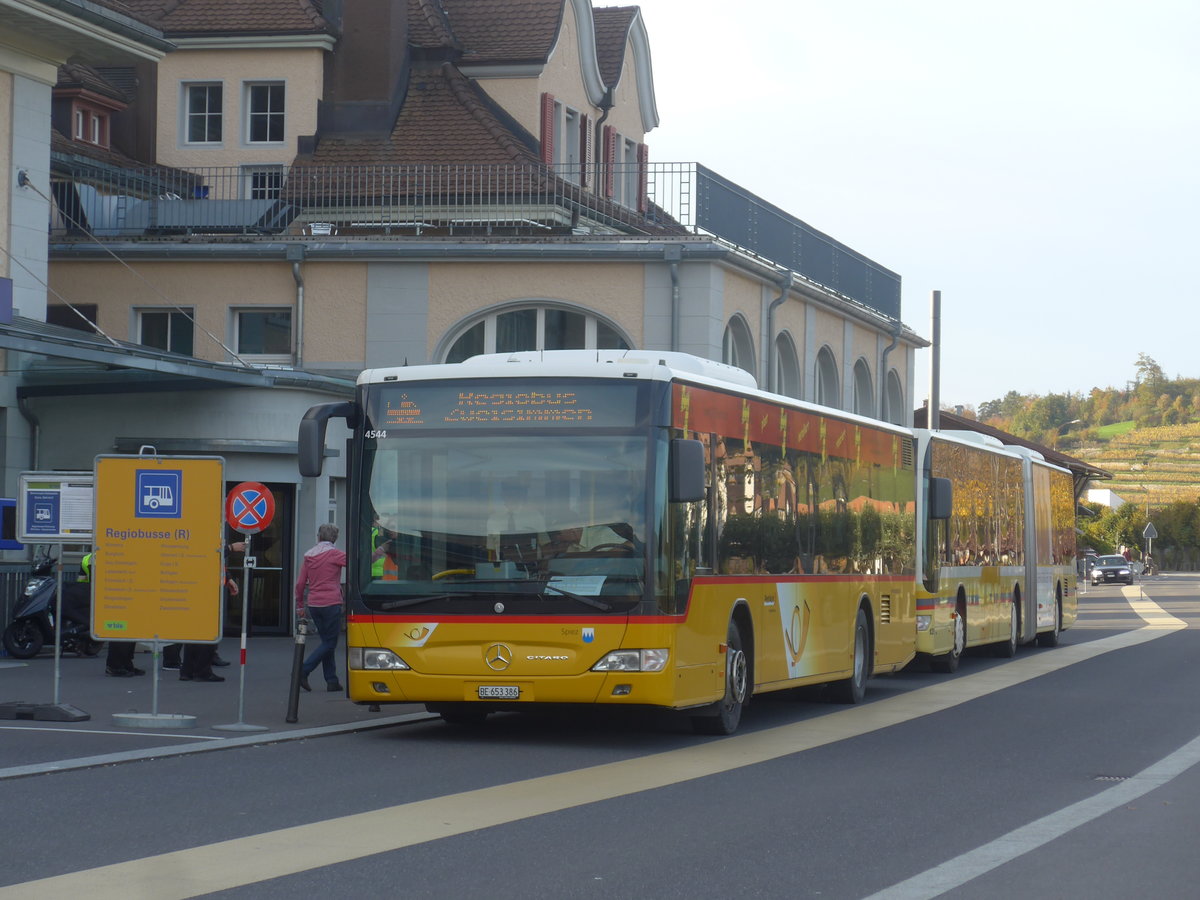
1159	465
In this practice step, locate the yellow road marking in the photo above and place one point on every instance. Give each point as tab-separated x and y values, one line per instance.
275	854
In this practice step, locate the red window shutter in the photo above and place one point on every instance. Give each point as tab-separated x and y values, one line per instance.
643	161
610	157
548	129
585	150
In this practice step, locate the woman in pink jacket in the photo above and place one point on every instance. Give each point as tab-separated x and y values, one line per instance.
321	574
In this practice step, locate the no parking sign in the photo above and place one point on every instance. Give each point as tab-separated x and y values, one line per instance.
249	508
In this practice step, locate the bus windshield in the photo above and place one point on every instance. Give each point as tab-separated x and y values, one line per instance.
527	523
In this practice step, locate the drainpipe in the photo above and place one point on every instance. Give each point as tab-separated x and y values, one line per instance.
35	431
672	253
606	104
883	410
785	286
933	418
295	253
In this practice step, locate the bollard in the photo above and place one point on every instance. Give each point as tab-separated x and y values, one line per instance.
293	708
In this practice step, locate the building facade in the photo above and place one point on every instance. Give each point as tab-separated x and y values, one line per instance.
300	190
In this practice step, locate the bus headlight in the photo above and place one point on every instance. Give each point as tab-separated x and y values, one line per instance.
923	622
374	658
633	661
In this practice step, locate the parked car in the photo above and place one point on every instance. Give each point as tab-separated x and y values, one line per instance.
1112	570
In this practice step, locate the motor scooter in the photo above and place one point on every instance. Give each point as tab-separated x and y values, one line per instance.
32	626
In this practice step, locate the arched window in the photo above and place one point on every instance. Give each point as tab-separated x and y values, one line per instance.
787	367
864	390
894	411
828	389
737	348
534	328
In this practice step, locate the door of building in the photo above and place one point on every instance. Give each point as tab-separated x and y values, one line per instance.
270	604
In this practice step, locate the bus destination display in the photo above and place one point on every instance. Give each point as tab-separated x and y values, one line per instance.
439	406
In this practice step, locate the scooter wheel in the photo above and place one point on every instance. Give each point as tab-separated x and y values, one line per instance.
23	640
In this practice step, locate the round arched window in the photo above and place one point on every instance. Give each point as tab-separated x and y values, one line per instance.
535	328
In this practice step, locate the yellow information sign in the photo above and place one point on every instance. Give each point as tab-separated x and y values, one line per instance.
157	548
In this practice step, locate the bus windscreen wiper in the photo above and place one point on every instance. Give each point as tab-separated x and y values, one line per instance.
587	601
414	601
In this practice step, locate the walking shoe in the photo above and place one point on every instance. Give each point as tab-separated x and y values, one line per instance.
217	661
171	665
334	686
118	673
209	677
185	677
304	683
134	670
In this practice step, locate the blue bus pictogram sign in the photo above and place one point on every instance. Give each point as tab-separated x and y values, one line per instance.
158	494
249	508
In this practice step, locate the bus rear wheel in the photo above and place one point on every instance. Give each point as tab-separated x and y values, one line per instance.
948	662
1008	649
1050	638
854	688
727	712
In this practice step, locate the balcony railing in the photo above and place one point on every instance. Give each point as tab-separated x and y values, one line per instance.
430	202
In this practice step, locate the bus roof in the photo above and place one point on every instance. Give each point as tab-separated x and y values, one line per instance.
653	365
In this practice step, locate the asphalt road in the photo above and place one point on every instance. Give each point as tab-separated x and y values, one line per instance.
1067	772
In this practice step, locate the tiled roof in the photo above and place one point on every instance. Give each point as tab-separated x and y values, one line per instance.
83	77
445	119
612	31
428	26
65	148
178	18
505	31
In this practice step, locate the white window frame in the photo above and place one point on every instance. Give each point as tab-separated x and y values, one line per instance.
248	175
568	154
590	321
263	359
169	312
80	124
249	114
188	113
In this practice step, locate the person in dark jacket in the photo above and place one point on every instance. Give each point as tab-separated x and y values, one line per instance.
321	579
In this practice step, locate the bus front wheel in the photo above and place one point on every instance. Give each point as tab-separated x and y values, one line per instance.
727	712
461	714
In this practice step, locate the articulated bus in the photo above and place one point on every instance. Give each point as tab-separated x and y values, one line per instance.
1000	570
633	528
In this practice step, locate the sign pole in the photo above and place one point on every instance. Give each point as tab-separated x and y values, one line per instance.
58	625
240	724
249	508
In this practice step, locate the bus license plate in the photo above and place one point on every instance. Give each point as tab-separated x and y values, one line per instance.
499	692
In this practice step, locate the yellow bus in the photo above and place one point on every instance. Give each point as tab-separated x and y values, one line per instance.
621	527
1000	570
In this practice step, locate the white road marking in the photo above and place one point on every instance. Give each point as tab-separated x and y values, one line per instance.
275	854
969	866
186	737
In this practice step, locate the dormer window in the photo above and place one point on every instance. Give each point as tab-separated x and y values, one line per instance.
90	124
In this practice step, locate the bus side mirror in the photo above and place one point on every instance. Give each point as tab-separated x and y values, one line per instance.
941	498
310	442
687	471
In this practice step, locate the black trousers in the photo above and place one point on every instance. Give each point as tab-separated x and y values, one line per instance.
120	654
197	660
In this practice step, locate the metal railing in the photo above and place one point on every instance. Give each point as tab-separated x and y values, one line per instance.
369	201
519	201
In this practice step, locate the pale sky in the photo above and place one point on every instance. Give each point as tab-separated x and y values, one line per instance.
1036	161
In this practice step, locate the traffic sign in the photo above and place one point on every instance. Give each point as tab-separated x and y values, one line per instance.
55	507
156	573
1150	532
249	508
